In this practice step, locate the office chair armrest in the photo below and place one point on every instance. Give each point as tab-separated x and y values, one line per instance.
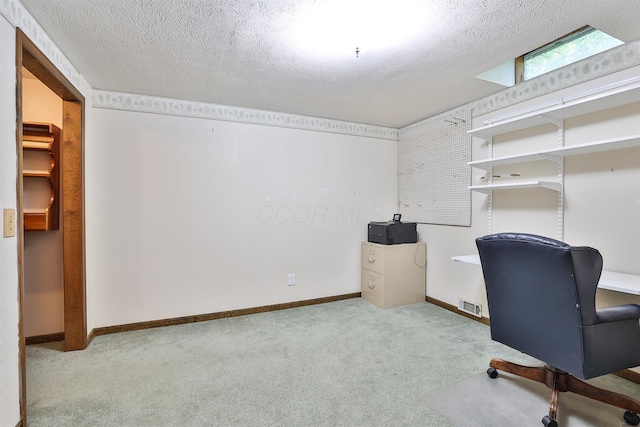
617	313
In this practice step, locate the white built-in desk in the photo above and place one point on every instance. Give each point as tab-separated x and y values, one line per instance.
609	280
469	259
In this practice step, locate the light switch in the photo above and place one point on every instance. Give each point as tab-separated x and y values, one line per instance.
9	221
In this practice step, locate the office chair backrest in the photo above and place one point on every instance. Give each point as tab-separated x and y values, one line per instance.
540	293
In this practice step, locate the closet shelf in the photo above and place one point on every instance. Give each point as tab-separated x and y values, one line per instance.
37	219
614	95
41	175
556	154
609	280
37	143
554	186
37	173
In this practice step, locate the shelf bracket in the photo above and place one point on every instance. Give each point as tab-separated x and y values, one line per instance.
553	158
553	120
559	124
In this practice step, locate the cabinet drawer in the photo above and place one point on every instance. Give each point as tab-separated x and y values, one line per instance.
372	283
372	258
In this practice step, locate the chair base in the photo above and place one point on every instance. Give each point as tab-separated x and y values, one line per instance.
560	381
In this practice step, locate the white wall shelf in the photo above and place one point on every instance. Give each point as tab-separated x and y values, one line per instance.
556	111
614	95
549	185
609	280
556	154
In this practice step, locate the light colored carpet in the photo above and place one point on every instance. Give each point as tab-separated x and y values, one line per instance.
513	401
346	363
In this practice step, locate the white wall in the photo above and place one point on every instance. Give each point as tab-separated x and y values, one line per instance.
178	216
192	216
9	371
601	203
43	282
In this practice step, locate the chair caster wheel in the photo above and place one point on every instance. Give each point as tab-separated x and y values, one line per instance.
492	373
548	422
631	418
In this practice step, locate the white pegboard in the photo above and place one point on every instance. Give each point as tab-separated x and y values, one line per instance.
434	174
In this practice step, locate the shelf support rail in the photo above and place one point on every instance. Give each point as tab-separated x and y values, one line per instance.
560	177
490	193
560	214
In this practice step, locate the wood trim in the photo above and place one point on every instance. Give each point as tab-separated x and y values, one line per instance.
519	69
37	63
22	382
72	194
43	339
71	187
453	308
90	337
29	56
214	316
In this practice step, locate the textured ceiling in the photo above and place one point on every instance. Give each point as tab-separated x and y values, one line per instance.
246	53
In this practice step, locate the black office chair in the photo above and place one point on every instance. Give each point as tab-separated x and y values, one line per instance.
541	297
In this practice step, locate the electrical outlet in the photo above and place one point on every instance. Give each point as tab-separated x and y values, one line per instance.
292	279
9	222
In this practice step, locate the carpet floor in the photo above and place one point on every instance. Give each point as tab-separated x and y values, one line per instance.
514	401
345	363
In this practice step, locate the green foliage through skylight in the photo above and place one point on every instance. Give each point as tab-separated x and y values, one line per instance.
572	48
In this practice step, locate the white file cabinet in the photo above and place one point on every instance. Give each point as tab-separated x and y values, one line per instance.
393	275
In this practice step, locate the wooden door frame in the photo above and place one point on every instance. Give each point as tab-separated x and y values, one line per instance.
71	204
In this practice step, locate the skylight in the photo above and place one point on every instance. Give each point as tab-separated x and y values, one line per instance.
578	45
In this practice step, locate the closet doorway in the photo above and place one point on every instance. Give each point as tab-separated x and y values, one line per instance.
70	194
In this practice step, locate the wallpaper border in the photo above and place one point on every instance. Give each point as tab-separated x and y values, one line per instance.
608	62
18	16
176	107
600	65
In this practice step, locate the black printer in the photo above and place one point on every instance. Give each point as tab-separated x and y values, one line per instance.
393	232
